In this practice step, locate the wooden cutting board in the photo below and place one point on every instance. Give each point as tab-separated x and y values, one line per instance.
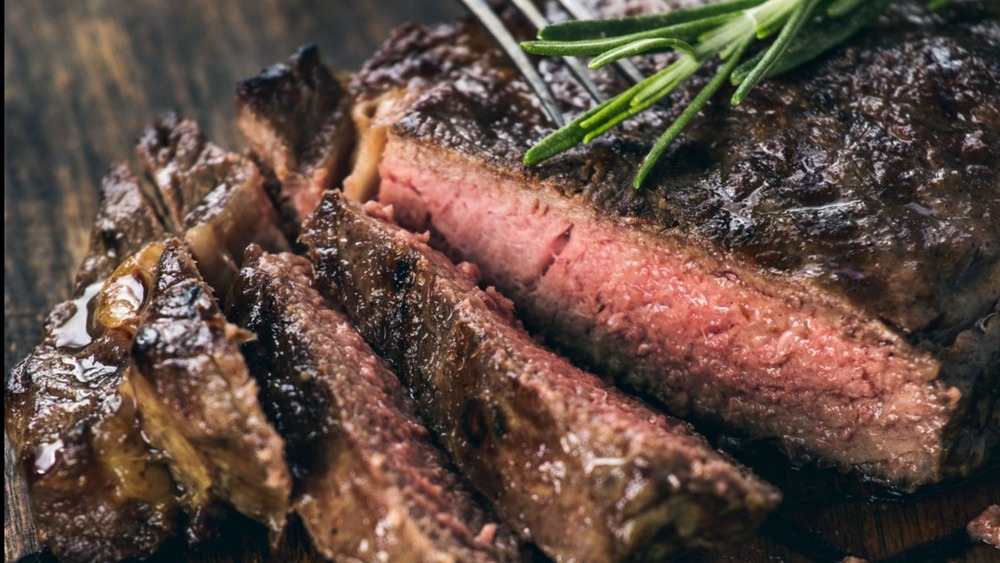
81	79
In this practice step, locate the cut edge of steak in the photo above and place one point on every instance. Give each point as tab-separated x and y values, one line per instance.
296	117
574	465
370	483
703	334
69	413
216	199
198	403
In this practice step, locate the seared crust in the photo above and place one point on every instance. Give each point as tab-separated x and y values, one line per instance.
869	173
296	117
100	492
198	403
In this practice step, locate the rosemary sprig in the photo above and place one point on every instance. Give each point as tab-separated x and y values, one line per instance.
725	29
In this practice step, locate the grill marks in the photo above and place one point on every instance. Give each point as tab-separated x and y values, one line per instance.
370	484
569	462
548	444
198	404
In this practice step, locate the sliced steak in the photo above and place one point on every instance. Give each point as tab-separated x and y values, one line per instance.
198	403
126	220
182	165
819	267
96	490
575	466
214	198
296	117
371	485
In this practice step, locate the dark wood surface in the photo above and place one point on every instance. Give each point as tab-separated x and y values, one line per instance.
82	77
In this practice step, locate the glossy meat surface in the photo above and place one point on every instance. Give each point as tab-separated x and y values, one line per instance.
101	492
572	464
371	484
197	402
98	493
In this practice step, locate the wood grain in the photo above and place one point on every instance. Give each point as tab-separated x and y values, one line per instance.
82	77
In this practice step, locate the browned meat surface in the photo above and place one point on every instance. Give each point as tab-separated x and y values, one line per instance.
197	402
97	489
126	220
296	117
986	526
97	492
215	199
370	484
575	466
819	267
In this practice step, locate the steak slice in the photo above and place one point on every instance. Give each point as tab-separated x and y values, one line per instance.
198	403
296	117
96	488
97	492
370	484
819	266
575	466
215	199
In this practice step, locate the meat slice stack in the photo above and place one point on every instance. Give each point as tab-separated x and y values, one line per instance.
827	278
96	491
371	485
215	199
578	468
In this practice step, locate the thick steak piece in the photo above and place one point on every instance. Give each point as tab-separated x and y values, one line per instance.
819	266
370	484
197	401
583	471
97	492
213	198
296	116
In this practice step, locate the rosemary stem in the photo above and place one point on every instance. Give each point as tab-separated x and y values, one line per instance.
724	29
689	113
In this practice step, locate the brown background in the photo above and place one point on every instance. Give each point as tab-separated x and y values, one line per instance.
82	77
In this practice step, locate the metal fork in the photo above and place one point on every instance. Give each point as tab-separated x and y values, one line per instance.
495	26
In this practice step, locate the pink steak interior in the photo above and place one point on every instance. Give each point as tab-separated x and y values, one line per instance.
700	333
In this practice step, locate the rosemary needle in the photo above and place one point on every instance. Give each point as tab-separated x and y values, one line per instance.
724	29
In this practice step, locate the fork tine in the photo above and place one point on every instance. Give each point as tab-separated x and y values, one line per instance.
577	68
498	30
581	12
